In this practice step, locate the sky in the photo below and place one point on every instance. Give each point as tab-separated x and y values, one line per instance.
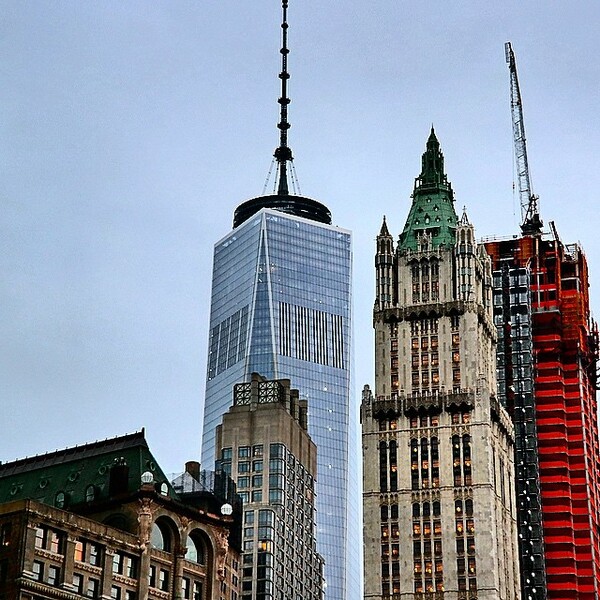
130	131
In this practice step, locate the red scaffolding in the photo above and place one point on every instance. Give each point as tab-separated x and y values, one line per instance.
565	349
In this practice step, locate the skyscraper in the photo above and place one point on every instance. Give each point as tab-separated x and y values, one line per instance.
281	307
439	510
547	357
264	441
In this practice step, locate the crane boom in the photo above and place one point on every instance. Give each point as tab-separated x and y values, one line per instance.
531	223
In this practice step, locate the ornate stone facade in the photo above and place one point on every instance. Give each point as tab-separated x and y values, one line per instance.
439	514
134	538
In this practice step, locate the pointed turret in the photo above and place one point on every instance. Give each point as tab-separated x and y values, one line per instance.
432	211
464	220
384	231
282	200
384	264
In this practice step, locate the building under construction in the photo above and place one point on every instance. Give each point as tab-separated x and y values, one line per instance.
547	358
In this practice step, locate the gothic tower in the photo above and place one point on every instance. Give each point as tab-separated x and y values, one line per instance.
439	513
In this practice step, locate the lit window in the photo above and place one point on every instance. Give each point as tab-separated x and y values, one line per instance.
5	530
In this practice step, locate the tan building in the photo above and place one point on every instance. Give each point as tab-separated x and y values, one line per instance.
102	521
439	514
263	443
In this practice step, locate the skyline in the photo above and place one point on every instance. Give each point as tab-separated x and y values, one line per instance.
131	133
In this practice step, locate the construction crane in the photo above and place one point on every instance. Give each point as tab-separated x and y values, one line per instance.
531	224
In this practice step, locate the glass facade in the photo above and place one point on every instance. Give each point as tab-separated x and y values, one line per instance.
281	307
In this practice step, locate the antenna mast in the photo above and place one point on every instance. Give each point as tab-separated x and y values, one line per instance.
283	154
531	224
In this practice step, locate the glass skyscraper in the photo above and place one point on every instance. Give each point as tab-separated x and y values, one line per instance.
281	307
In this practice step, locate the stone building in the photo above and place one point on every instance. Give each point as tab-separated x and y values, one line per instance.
263	442
102	521
439	510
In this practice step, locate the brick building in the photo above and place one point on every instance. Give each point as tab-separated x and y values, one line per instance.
103	521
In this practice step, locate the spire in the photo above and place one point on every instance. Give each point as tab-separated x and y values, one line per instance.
432	210
281	199
464	220
432	163
283	154
384	229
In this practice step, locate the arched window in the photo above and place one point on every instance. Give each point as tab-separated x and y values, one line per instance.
195	548
162	536
157	539
90	493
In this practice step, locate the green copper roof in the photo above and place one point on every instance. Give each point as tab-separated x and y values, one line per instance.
72	472
432	210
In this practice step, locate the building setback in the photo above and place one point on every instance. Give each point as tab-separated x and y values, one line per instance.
281	306
547	357
102	521
264	443
439	511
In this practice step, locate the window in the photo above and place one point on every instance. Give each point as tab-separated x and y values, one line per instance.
38	570
53	575
244	452
5	535
90	493
92	588
243	482
185	588
94	554
78	582
257	466
160	537
244	467
152	576
130	595
48	539
124	564
115	592
195	548
197	591
79	551
163	580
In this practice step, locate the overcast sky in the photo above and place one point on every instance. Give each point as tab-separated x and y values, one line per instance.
130	131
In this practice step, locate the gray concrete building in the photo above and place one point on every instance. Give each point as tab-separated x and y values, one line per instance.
263	443
439	513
